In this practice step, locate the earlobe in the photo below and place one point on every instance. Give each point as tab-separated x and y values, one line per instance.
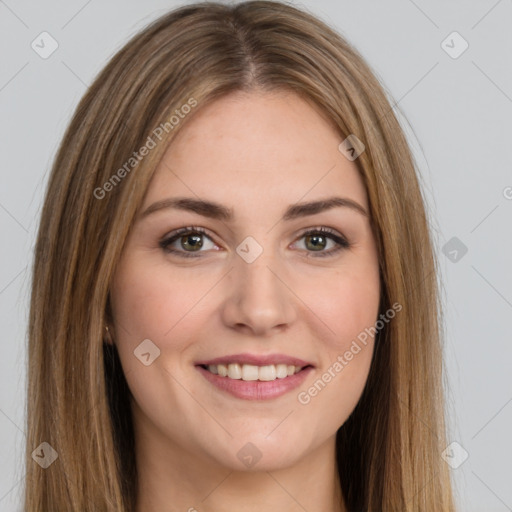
107	336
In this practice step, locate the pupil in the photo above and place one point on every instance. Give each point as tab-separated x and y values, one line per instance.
315	244
198	242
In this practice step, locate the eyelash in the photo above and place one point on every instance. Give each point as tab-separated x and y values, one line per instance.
341	242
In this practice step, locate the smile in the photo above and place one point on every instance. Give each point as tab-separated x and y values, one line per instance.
249	372
250	382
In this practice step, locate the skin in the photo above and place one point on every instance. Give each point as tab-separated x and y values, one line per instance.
256	153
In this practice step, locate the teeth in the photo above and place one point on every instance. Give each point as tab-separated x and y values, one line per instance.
281	371
268	372
250	372
234	371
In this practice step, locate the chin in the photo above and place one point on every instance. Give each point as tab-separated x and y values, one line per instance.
253	452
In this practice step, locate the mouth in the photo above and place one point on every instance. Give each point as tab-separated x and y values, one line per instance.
250	372
248	381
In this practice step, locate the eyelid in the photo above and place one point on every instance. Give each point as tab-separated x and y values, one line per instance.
175	235
339	239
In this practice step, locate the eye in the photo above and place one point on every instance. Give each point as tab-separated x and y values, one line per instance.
192	238
316	238
189	237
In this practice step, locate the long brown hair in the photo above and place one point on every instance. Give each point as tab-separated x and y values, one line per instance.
389	450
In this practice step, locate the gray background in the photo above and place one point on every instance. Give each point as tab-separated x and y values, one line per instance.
456	112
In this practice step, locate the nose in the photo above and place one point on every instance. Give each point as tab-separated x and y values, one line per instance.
258	300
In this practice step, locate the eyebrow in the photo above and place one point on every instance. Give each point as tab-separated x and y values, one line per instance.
220	212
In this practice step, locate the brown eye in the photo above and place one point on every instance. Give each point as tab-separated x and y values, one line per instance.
317	239
316	242
186	241
192	241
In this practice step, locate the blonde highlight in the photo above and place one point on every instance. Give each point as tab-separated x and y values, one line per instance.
388	451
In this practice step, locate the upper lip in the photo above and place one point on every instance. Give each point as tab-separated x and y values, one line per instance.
257	360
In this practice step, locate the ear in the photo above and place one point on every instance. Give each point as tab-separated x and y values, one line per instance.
107	335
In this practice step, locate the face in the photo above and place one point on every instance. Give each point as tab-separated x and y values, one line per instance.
257	280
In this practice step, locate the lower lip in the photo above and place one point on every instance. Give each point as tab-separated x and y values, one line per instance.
256	389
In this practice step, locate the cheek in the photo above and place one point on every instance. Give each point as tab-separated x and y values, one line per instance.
356	310
350	308
150	302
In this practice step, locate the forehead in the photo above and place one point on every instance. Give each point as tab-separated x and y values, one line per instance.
258	147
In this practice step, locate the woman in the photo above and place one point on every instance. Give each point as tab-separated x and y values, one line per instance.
234	300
